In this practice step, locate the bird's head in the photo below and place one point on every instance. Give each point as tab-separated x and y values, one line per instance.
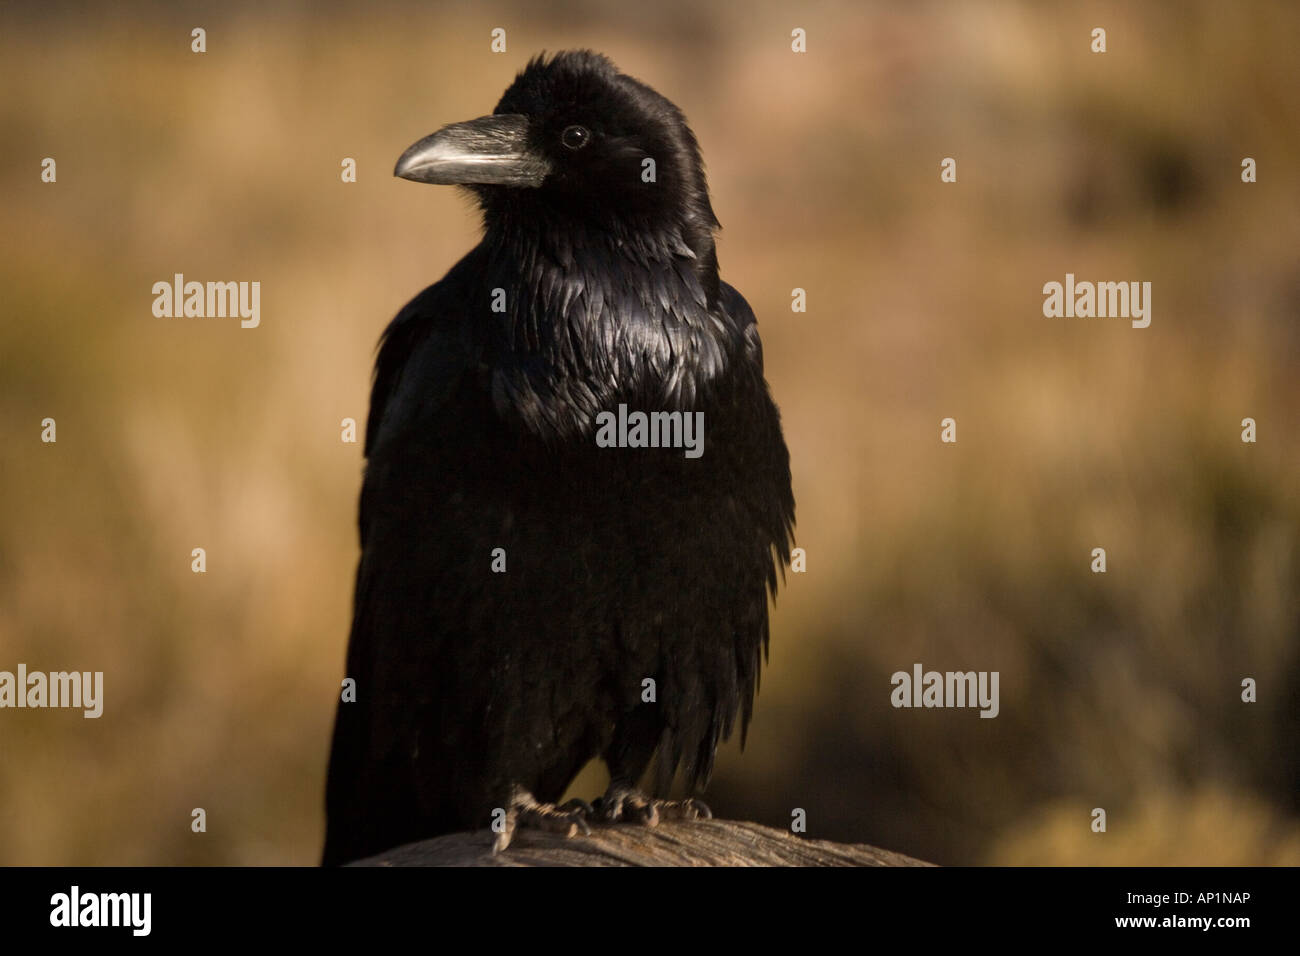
574	140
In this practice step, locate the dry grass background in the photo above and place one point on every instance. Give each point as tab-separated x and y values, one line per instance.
1119	691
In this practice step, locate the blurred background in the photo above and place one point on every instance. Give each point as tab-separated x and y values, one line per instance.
1119	690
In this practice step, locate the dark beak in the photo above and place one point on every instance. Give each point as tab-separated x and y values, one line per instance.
491	151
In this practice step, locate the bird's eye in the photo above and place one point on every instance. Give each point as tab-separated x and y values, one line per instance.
575	137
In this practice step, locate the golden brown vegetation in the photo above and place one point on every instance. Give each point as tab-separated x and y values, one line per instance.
1118	690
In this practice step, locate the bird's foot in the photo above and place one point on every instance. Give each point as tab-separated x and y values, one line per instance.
525	811
626	804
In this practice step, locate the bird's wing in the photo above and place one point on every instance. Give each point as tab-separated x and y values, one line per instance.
743	322
750	517
424	358
768	460
421	357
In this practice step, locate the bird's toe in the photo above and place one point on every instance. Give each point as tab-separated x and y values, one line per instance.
525	811
622	804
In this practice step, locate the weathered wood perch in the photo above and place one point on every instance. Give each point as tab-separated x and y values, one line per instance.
697	843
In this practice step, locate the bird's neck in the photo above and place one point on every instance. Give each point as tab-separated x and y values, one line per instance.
586	319
565	237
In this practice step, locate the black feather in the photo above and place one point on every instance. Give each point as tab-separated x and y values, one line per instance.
623	564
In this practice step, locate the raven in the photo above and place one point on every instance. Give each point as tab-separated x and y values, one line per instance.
529	598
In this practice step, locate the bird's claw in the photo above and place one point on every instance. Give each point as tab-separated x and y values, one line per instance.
525	811
622	804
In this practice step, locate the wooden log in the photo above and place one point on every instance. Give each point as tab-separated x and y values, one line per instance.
695	843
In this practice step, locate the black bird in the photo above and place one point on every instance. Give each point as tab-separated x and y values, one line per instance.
527	598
